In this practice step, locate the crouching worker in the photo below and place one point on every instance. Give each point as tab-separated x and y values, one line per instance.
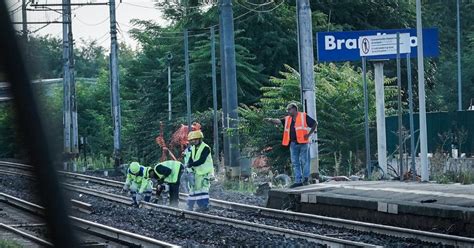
200	169
139	182
168	173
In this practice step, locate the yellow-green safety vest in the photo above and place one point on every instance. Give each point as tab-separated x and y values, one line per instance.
208	166
142	178
174	166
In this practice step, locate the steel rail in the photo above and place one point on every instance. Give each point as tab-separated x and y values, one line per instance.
425	236
325	240
89	226
26	235
400	232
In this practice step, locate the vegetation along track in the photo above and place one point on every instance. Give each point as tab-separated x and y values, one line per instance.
330	227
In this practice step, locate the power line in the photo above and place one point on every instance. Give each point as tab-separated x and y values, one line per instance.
91	24
261	5
178	6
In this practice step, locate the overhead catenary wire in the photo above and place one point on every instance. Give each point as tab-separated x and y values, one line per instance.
205	29
181	7
261	11
90	24
258	4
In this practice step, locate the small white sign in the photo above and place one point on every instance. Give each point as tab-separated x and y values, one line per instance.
383	44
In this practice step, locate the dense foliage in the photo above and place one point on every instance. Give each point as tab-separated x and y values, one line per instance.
267	62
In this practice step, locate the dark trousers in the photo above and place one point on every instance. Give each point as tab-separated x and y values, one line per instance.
174	189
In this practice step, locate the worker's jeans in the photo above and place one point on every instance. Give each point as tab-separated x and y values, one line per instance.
300	160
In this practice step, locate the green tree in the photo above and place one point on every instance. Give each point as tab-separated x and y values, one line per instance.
340	110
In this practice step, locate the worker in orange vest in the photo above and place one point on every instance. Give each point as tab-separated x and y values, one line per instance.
298	128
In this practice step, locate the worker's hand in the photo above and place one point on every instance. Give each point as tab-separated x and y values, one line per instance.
274	121
306	136
165	187
159	188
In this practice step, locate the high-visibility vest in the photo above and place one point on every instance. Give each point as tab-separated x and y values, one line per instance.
301	128
175	166
208	166
143	174
142	178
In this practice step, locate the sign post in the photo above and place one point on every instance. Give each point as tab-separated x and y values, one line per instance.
366	119
380	45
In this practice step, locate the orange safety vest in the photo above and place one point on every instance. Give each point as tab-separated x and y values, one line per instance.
301	128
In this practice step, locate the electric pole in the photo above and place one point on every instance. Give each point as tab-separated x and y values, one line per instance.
66	86
214	96
231	87
306	64
458	27
169	57
421	94
114	80
73	102
188	82
225	138
25	25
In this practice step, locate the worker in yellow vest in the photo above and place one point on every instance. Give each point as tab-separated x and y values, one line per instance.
168	173
200	169
139	183
298	127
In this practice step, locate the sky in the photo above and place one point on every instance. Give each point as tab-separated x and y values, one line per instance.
89	22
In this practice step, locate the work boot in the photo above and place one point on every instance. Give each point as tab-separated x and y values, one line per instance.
135	205
296	185
306	181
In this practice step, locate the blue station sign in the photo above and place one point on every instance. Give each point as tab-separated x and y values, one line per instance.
344	46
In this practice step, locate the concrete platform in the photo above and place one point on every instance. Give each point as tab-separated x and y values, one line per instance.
445	208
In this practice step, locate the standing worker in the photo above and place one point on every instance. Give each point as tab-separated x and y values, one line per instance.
298	128
168	173
200	169
139	182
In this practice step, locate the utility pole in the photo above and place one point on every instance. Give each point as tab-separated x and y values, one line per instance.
400	116
25	26
73	101
421	95
169	57
380	116
114	80
214	96
188	82
412	125
232	100
225	123
458	27
66	87
306	64
368	163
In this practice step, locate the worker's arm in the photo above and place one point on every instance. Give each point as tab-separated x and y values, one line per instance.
274	121
205	152
163	170
127	182
145	182
313	124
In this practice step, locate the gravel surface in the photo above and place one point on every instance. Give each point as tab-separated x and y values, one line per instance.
365	237
217	190
152	223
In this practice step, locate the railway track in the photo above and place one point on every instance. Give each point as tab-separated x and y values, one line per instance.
91	234
277	215
424	236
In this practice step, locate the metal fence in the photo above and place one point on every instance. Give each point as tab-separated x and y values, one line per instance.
445	130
